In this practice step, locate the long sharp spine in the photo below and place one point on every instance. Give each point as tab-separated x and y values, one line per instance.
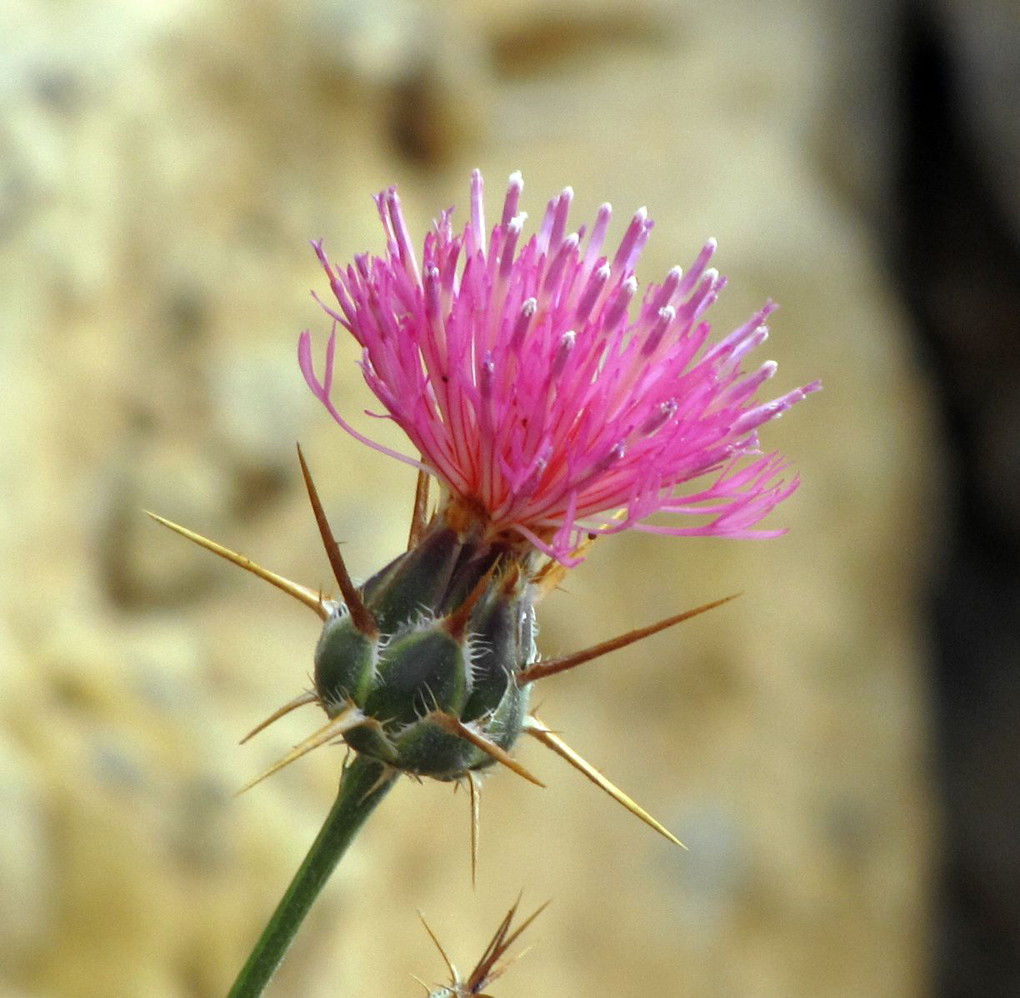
534	727
335	728
455	726
543	669
299	701
360	614
301	593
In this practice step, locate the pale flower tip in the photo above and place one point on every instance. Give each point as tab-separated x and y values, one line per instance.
318	245
516	180
711	244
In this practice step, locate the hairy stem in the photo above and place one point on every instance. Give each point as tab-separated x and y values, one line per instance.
365	782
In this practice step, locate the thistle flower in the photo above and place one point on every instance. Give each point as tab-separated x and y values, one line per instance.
536	397
552	409
550	414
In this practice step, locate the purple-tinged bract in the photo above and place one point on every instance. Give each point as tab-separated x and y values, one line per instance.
542	394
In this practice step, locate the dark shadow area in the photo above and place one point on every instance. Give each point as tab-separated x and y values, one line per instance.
957	259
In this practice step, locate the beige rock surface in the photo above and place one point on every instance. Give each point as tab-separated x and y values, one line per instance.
164	166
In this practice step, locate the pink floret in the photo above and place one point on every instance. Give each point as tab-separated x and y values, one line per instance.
522	375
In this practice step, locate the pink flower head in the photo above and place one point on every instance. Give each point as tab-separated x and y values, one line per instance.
531	389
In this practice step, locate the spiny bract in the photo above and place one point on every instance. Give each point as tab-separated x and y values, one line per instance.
454	629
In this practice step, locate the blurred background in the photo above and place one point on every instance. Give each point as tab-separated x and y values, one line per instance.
839	747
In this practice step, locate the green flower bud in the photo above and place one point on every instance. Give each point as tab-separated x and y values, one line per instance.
427	668
455	628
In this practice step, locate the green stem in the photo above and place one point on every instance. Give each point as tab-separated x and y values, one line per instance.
365	782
